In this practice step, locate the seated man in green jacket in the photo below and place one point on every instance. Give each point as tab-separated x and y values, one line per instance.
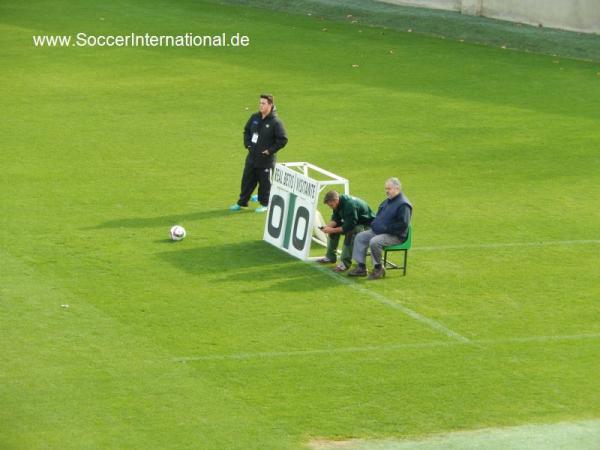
351	215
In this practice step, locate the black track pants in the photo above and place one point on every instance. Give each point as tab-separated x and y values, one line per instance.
251	177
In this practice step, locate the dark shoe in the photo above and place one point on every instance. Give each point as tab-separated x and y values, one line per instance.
325	260
341	267
377	274
358	272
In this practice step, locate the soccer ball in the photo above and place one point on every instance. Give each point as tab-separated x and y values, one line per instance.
177	232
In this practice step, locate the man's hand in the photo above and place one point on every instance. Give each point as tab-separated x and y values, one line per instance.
266	152
328	230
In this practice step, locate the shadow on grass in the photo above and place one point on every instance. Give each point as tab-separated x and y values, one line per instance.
255	265
149	222
226	258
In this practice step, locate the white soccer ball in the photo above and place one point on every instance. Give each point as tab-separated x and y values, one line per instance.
177	232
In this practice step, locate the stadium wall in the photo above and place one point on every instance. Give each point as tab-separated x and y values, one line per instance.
574	15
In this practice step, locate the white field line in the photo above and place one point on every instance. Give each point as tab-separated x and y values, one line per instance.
325	351
508	244
525	339
390	347
386	301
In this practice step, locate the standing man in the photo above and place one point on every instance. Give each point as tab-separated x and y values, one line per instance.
390	227
264	135
351	215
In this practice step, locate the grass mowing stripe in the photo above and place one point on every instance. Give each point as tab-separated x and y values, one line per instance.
391	347
83	367
386	301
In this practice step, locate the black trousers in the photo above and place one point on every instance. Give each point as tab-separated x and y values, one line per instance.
251	177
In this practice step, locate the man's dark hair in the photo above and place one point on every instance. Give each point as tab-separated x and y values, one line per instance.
267	97
330	196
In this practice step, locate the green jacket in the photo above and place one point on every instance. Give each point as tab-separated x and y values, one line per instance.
352	211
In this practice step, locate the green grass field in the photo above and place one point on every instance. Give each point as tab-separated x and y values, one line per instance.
111	336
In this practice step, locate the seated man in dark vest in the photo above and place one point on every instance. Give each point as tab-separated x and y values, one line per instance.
390	227
351	215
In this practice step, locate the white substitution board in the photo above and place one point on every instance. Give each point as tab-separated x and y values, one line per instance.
292	206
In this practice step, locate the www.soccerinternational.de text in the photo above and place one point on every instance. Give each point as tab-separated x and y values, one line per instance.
142	40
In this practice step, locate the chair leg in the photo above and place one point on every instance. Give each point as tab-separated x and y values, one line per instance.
389	264
405	258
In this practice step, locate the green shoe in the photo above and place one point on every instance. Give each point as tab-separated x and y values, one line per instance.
261	209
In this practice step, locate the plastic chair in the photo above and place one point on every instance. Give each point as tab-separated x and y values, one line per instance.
403	247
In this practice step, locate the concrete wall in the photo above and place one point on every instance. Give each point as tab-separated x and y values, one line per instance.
575	15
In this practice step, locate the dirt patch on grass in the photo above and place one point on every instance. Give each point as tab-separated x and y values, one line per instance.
322	444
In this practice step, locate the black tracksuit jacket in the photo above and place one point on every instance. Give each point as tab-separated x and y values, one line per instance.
271	137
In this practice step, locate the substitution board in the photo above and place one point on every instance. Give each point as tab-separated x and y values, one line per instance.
293	206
